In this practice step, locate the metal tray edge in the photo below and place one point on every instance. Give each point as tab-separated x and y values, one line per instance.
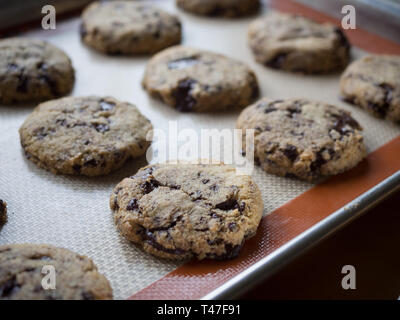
267	266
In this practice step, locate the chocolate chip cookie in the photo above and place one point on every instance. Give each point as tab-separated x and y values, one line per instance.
189	79
124	27
373	83
3	212
84	135
302	138
295	43
22	274
226	8
181	211
32	70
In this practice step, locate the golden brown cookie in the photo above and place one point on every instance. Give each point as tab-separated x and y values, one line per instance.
193	80
33	70
126	27
76	276
225	8
303	138
181	211
295	43
85	135
373	83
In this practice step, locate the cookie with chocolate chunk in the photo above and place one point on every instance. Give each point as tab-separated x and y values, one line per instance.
295	43
303	138
183	211
128	28
3	212
33	70
84	135
194	80
225	8
373	83
22	273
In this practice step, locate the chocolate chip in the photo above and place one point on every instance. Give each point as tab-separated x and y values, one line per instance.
149	186
22	83
91	163
101	127
216	241
51	84
40	133
270	109
9	287
277	61
184	101
77	168
151	240
320	160
231	252
232	226
132	205
382	109
343	121
87	295
294	109
12	67
106	106
205	181
291	152
227	205
214	188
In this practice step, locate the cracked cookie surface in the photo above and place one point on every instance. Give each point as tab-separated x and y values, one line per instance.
373	83
84	135
33	70
123	27
297	44
194	80
77	277
226	8
302	138
181	211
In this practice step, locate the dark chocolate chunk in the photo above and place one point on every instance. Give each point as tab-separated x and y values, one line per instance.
184	101
77	168
151	240
9	287
22	83
344	120
277	61
132	205
291	152
91	163
149	186
101	127
87	295
232	226
229	204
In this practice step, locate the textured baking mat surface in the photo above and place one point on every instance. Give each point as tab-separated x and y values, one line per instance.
73	212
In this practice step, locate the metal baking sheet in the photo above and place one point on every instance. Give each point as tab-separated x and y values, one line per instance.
73	212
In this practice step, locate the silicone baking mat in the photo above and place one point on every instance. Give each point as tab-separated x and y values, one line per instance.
73	212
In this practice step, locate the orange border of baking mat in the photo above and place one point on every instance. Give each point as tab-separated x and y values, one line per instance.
194	279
